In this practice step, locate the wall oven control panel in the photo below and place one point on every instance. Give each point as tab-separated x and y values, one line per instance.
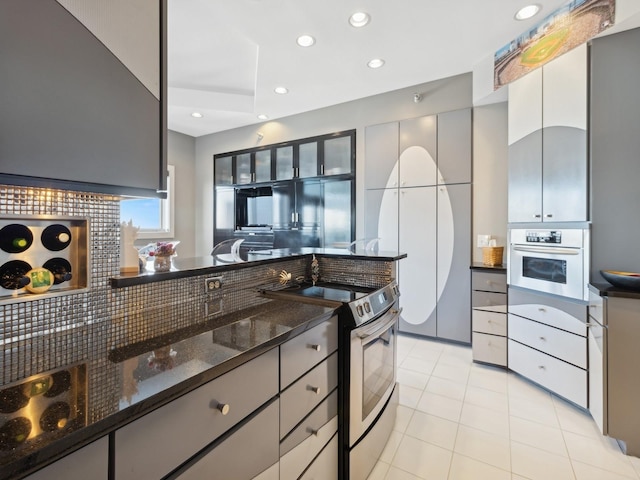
552	236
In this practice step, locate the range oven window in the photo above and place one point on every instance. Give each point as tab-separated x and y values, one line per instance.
378	359
550	270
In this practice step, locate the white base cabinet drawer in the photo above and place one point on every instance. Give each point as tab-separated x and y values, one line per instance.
563	345
556	312
246	453
560	377
294	462
194	419
489	349
325	466
306	350
308	392
493	323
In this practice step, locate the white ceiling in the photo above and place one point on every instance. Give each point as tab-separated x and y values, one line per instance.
225	57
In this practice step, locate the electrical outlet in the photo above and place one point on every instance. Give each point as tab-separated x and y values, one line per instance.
213	283
483	240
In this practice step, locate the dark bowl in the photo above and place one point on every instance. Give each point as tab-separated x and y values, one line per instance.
627	280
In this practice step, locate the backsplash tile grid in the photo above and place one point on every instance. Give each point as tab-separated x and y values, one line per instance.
24	325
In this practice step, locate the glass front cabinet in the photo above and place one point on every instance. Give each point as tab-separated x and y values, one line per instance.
314	157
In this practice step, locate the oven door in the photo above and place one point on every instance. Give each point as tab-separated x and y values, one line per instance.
550	269
373	368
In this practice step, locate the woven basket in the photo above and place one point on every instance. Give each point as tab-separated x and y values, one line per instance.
492	255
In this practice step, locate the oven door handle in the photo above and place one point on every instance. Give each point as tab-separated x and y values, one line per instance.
375	330
552	250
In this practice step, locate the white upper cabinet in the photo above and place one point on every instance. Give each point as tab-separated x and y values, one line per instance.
548	142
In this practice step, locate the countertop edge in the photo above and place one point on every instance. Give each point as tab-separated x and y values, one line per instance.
121	281
608	290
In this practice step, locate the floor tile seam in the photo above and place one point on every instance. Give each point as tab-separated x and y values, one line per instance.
625	459
567	456
510	471
603	469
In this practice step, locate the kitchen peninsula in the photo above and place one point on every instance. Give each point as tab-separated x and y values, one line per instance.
172	338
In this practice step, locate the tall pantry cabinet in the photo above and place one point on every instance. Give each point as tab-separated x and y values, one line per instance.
418	201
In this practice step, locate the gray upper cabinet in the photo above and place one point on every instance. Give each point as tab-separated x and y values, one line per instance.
381	153
418	155
454	147
81	109
548	142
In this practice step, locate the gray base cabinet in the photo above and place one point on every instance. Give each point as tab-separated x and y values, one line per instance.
309	404
91	461
489	316
245	454
622	318
195	420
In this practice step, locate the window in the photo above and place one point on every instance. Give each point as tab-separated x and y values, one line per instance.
154	216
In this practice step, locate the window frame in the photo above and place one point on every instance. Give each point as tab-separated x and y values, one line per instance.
167	212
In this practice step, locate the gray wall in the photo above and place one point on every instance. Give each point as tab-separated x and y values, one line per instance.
442	95
490	163
615	147
181	154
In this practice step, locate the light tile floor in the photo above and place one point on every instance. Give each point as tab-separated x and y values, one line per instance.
459	420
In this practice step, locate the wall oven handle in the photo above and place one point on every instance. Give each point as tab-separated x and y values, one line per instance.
375	330
555	250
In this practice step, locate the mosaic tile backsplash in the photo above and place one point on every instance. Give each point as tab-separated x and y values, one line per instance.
45	334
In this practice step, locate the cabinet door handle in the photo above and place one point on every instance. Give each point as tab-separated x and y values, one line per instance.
537	215
317	348
322	169
223	408
548	215
293	217
253	176
315	390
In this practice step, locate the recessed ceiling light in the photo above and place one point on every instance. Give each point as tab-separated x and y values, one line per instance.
305	40
527	12
359	19
375	63
196	115
281	90
262	116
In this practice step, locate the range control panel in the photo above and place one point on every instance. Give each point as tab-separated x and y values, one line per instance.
547	236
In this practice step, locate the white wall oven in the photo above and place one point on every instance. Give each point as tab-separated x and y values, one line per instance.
552	261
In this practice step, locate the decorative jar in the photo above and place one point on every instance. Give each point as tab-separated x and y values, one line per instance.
162	263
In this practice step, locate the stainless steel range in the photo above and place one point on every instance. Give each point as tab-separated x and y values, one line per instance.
367	367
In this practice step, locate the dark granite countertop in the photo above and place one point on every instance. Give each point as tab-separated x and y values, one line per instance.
189	267
608	290
154	372
482	266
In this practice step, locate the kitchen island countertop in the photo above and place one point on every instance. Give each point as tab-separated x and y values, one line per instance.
154	372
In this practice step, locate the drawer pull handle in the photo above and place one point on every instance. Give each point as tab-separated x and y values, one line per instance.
223	408
543	339
313	431
315	390
542	309
542	367
317	348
